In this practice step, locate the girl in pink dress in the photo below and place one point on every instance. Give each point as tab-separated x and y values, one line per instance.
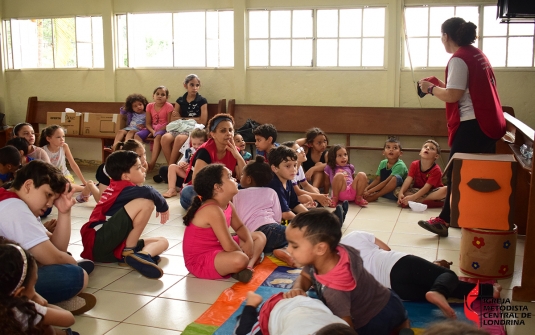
156	121
210	252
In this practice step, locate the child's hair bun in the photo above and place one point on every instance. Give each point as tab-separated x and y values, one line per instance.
259	159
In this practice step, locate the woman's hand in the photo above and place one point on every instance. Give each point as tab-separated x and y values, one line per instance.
65	200
424	85
231	146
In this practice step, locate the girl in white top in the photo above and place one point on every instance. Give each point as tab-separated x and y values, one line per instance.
24	310
53	142
25	130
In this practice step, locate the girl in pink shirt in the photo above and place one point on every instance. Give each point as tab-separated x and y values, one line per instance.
157	115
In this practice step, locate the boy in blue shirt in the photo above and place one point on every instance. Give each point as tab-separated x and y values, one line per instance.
265	136
9	163
390	173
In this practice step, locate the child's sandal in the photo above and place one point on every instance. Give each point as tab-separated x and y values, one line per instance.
360	201
244	276
334	202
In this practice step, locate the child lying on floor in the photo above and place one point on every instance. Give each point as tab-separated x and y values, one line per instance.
298	315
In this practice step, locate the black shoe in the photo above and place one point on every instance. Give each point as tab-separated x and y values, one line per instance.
87	265
345	207
157	178
339	212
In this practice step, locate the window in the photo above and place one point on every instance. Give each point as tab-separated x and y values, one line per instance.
74	42
317	37
187	39
505	45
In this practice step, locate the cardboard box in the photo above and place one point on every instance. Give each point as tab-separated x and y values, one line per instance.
482	191
70	122
488	253
102	124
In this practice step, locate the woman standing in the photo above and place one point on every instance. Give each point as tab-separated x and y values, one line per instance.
473	108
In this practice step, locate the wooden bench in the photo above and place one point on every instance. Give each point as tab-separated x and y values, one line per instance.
36	113
518	135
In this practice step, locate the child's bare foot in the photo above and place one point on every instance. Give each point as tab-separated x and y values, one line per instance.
497	289
444	263
371	197
253	299
151	166
284	256
170	193
439	300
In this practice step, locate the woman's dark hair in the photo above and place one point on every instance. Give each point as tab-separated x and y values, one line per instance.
216	118
259	171
47	132
331	155
312	133
461	32
129	145
40	173
120	162
205	180
11	268
161	88
133	98
20	143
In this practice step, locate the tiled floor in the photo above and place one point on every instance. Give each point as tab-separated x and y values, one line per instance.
131	304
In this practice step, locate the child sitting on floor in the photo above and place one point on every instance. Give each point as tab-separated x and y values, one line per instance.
265	136
258	205
197	137
240	143
340	175
426	179
23	310
338	276
298	315
210	252
390	173
306	193
9	163
129	208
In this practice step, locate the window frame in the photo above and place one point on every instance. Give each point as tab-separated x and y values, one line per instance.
8	57
314	38
479	40
129	40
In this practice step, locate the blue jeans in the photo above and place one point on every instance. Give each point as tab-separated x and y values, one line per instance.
275	235
388	319
59	282
186	196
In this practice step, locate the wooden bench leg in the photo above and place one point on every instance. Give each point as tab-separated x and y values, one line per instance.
105	142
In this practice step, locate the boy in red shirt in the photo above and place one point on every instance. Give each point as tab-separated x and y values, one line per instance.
426	179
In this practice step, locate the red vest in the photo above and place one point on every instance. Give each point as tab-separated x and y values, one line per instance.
99	215
482	87
229	161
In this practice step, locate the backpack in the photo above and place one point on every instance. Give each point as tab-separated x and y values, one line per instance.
246	131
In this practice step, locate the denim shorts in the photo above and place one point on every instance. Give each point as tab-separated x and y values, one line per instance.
59	282
275	236
186	196
390	195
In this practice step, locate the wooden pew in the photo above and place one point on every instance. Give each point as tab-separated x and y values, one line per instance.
36	113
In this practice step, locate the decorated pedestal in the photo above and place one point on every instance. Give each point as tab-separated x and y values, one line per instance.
488	253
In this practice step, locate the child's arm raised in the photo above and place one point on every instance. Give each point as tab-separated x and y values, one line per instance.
57	316
73	164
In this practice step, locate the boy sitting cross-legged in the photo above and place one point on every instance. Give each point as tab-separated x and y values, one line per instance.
337	274
130	207
426	179
390	173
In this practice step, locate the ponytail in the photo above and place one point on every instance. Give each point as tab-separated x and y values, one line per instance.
195	205
459	31
47	132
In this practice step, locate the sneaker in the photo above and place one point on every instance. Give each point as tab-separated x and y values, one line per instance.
78	304
143	263
244	276
157	178
87	265
435	225
360	201
339	212
156	260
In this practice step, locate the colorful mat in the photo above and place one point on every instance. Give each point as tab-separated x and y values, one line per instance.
272	277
